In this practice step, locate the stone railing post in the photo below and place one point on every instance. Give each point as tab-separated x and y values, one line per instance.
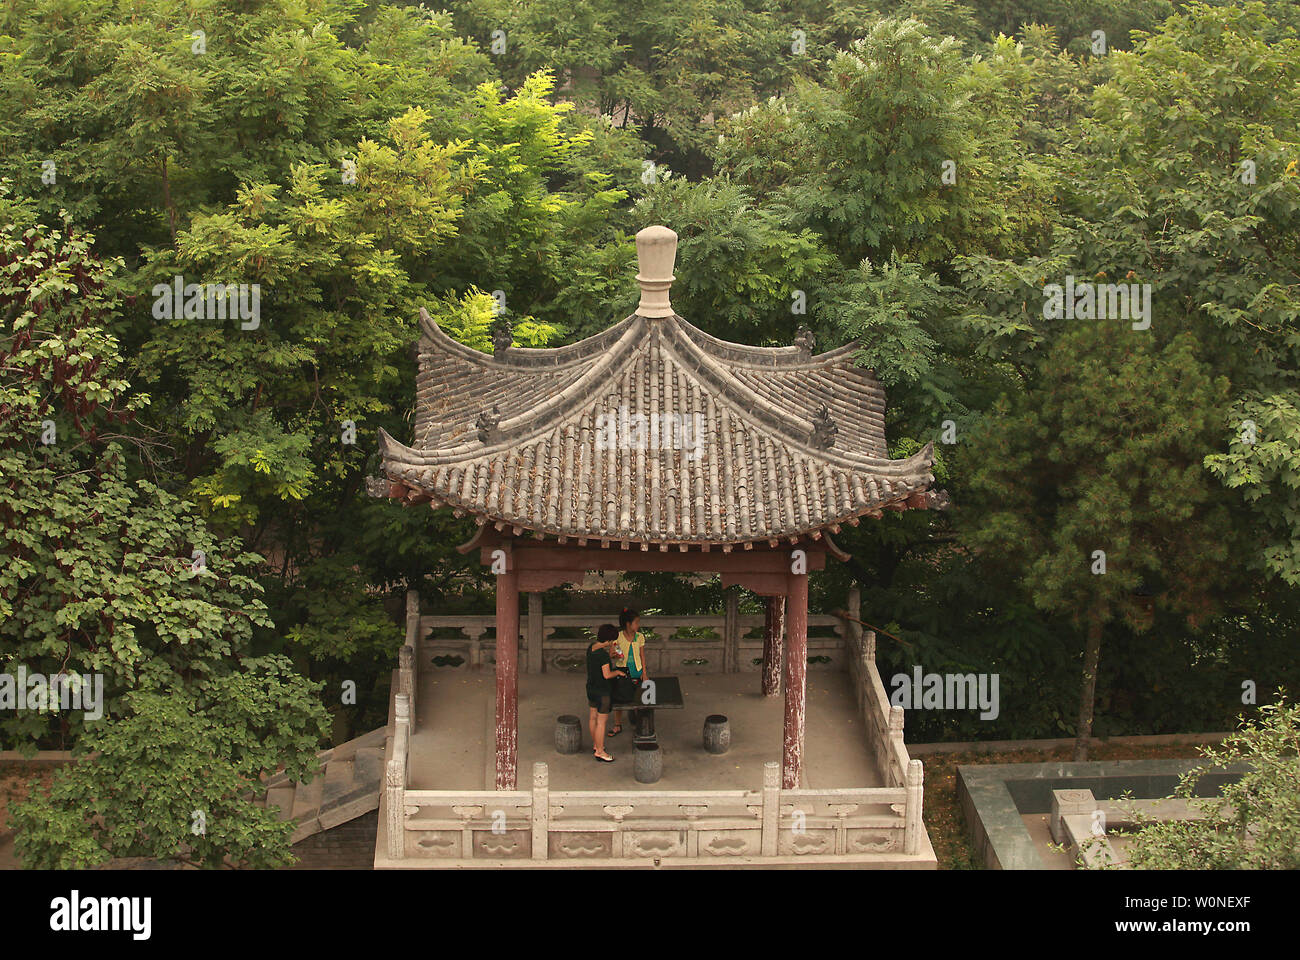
402	734
912	810
895	742
474	633
395	799
406	674
866	688
541	810
407	659
771	807
854	610
412	618
395	777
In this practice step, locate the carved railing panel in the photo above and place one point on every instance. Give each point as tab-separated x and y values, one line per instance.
619	825
678	644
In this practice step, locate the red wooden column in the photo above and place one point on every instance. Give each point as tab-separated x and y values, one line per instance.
796	681
507	678
774	623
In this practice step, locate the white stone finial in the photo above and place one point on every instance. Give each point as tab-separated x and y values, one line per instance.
656	251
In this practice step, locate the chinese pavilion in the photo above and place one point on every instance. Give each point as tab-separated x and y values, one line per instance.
653	446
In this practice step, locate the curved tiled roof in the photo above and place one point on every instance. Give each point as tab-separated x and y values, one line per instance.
652	432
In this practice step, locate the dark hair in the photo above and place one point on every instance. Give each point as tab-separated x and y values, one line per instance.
606	633
626	617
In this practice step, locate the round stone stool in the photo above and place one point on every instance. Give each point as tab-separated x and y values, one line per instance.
717	734
648	764
568	734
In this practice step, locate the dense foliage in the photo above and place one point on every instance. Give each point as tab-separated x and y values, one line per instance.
915	175
1251	823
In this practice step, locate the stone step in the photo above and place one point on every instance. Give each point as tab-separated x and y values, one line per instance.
368	766
276	780
282	797
375	738
307	797
338	770
347	786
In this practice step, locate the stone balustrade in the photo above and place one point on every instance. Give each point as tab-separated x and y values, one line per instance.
707	825
883	721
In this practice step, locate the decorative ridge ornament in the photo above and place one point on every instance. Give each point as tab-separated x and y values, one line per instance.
502	336
487	423
824	429
938	500
656	252
805	341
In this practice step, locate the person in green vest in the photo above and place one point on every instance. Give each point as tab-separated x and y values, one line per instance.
628	655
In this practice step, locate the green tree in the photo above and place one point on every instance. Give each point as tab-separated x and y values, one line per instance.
1089	487
103	574
667	70
905	147
120	585
1154	193
179	777
1076	21
356	162
1203	205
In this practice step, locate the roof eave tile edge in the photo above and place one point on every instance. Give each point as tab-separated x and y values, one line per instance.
411	494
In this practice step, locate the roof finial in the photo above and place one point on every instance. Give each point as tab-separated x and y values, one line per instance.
656	250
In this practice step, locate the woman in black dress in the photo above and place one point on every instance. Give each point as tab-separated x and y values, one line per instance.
600	687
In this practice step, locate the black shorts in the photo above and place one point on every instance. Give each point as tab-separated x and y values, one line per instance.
601	703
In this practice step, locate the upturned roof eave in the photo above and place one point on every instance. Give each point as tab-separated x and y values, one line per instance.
407	475
521	526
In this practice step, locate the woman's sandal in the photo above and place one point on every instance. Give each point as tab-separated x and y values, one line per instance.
597	756
616	731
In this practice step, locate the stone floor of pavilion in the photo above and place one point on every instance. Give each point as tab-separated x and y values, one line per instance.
451	745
